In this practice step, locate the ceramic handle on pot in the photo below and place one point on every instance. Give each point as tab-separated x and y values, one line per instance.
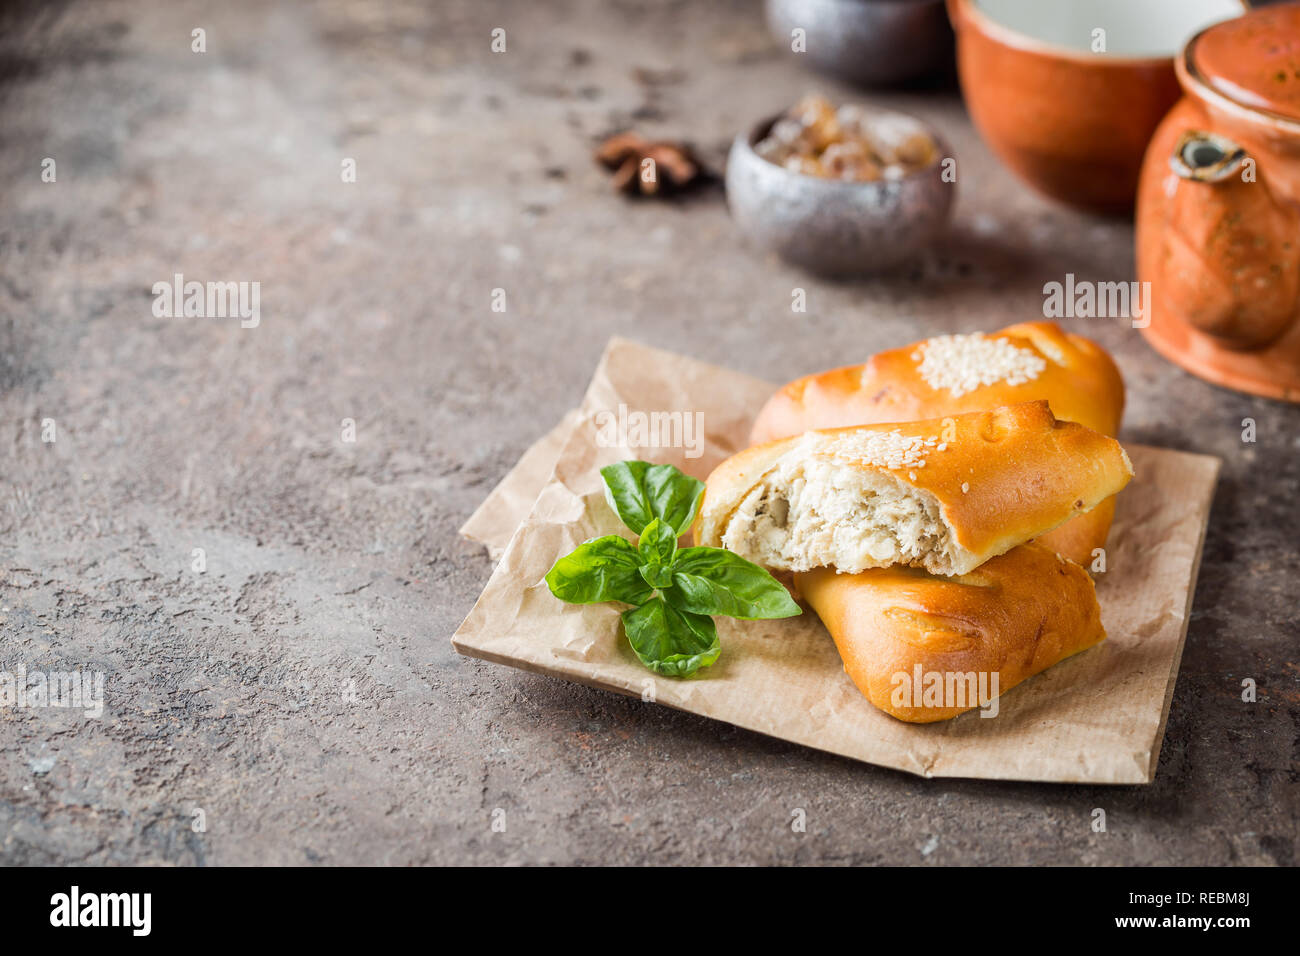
1206	157
1230	263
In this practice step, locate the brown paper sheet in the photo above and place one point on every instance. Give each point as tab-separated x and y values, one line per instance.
1098	717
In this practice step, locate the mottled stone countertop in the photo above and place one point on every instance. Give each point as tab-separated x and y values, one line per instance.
301	691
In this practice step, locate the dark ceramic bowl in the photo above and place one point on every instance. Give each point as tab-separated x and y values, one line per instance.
870	42
832	227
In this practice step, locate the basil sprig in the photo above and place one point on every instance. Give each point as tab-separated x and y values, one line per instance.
673	591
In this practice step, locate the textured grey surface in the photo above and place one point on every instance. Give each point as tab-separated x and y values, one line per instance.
333	565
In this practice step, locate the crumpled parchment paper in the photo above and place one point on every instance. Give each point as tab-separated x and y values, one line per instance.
1098	717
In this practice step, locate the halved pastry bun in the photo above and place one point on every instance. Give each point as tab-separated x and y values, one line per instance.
945	495
924	648
954	374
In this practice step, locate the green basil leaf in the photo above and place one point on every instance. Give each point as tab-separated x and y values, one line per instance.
658	544
602	569
715	581
671	642
657	576
641	492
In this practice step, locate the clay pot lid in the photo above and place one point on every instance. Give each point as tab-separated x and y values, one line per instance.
1254	59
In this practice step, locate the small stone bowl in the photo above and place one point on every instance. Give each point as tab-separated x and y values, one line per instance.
869	42
832	227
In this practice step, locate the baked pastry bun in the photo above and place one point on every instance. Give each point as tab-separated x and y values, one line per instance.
924	648
945	494
952	374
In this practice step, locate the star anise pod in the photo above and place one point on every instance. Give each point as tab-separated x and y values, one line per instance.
648	167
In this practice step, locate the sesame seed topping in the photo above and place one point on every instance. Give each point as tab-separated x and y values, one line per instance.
1051	351
912	475
880	449
965	487
963	363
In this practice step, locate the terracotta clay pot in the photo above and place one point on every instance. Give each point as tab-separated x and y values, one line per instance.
1070	119
1218	223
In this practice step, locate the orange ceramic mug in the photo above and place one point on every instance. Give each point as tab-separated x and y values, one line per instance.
1068	92
1218	224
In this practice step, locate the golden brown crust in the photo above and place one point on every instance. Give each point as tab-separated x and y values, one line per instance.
1080	381
1000	477
1014	616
